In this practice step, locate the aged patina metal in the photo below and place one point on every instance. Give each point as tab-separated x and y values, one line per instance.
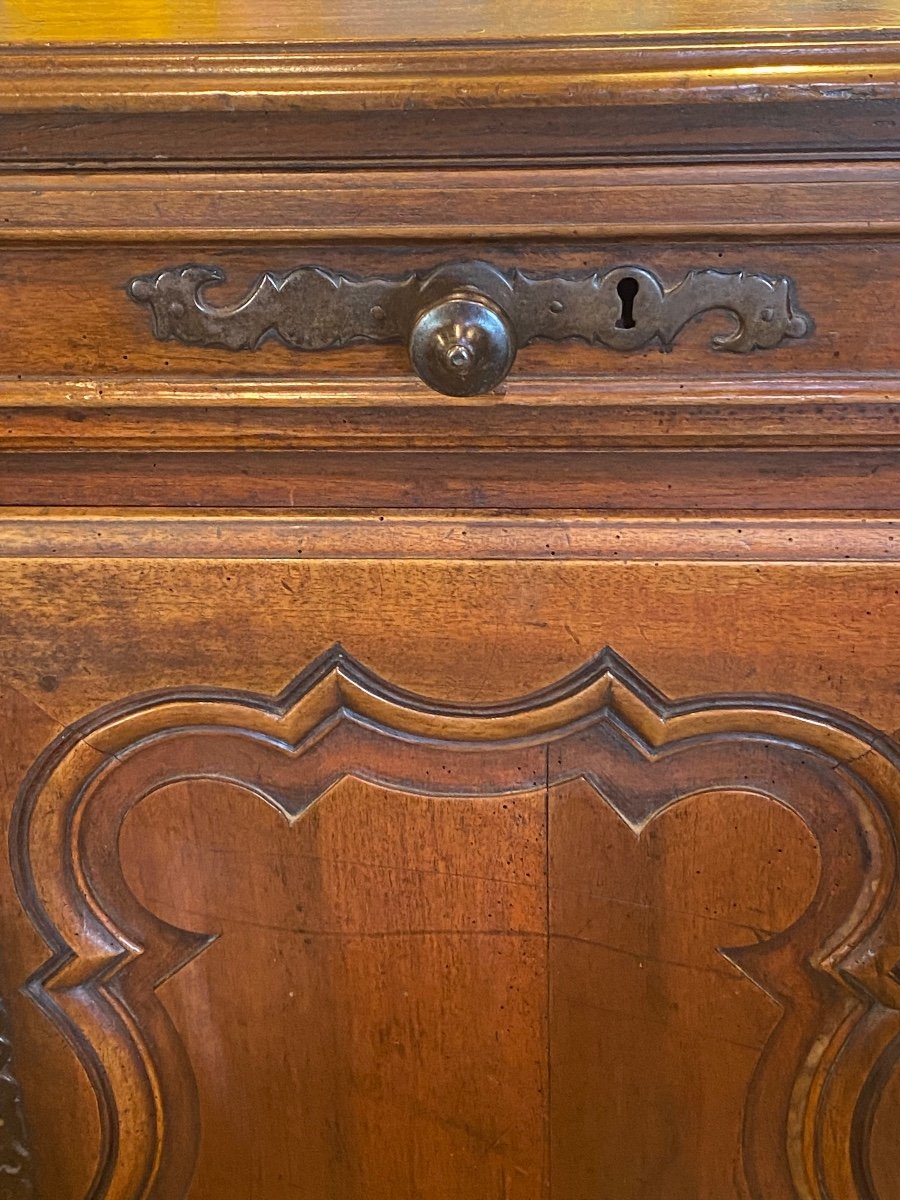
464	322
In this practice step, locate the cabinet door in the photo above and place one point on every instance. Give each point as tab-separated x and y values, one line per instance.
408	867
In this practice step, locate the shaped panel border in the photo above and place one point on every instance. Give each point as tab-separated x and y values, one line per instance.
642	752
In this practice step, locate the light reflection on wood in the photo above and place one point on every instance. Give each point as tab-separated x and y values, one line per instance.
107	21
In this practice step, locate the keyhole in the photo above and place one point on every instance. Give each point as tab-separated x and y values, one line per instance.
627	289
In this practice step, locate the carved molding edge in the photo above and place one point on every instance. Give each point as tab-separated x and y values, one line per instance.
15	1156
626	308
604	724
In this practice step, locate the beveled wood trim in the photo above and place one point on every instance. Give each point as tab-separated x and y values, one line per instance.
402	414
757	66
694	97
724	202
104	533
662	481
853	127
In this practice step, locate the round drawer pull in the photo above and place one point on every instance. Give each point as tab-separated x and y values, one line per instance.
462	346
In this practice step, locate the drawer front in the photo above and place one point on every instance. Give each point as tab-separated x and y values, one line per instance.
72	243
562	875
95	408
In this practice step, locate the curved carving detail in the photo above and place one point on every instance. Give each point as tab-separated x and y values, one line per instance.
311	308
833	972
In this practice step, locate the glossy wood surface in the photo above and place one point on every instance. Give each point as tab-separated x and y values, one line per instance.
621	99
406	796
390	952
206	21
283	84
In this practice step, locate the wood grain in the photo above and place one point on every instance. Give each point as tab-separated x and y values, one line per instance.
531	413
54	1085
604	93
461	206
629	937
149	83
230	536
434	911
340	720
226	128
409	797
81	631
861	482
278	21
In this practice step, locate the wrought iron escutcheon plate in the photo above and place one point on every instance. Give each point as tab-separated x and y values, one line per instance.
464	322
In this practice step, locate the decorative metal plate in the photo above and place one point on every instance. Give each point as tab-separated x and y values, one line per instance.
626	308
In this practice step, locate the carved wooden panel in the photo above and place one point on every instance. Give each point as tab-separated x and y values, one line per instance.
389	946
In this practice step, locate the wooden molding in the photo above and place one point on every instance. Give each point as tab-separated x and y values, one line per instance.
105	533
401	414
463	205
569	72
715	481
657	97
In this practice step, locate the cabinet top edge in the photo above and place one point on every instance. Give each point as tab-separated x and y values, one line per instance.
188	94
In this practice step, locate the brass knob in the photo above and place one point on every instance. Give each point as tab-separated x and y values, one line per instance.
463	345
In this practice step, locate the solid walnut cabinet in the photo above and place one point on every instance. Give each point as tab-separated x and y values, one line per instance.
449	582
